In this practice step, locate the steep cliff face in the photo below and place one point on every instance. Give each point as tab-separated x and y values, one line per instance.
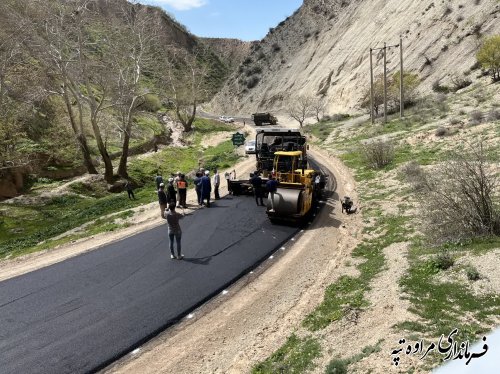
230	51
323	50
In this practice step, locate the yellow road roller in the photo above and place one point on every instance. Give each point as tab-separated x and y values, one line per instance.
297	187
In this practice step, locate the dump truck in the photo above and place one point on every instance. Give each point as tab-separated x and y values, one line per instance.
298	187
264	119
269	140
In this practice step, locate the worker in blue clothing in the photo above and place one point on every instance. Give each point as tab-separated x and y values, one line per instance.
272	187
197	186
206	188
158	180
256	182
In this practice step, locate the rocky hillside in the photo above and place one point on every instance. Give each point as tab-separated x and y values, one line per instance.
36	131
231	51
323	50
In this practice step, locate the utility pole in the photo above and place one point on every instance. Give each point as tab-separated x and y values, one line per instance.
401	97
385	83
385	79
371	89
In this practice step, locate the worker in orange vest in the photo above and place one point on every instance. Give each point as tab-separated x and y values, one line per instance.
182	190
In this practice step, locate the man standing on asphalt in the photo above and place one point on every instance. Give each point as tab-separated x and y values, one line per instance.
256	182
216	184
272	186
182	190
171	194
176	179
206	188
162	199
158	180
197	186
174	231
226	177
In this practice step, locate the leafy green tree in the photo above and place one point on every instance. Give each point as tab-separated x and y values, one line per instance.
489	56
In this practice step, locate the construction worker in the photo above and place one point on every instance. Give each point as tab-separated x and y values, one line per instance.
272	187
206	188
158	180
256	182
171	193
174	231
162	199
182	190
227	178
216	182
197	186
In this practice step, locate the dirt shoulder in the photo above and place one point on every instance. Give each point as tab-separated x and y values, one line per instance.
257	314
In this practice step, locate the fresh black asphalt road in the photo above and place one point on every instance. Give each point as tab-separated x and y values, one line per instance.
79	315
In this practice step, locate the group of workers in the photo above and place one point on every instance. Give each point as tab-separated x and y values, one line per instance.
258	189
174	195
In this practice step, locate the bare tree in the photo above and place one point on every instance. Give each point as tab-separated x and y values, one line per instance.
318	106
18	82
129	63
301	108
186	84
81	62
56	46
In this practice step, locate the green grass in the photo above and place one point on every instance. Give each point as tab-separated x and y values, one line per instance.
28	228
295	356
149	124
445	305
339	366
348	292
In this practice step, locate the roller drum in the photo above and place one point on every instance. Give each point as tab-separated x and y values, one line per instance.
286	202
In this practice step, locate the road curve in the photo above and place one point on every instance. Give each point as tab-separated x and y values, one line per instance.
79	315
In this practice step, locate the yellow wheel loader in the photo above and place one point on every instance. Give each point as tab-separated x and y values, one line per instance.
297	187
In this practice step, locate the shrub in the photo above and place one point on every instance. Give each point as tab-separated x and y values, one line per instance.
455	121
476	117
247	61
336	367
414	175
378	154
437	87
252	81
339	116
460	200
472	273
151	103
443	260
441	131
276	47
460	82
493	115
